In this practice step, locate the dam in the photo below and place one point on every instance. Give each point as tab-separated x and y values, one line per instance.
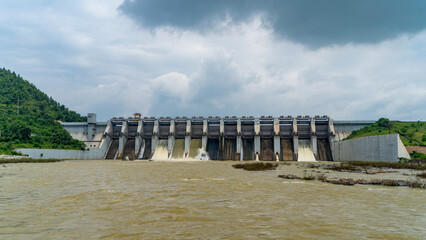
284	138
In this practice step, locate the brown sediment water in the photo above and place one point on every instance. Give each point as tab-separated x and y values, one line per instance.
178	151
196	200
194	146
161	150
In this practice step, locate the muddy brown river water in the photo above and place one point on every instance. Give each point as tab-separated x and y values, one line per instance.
196	200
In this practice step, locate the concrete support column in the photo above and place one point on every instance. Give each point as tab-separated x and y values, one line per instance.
170	142
314	146
277	147
188	127
91	126
123	139
154	139
256	147
313	128
222	127
276	127
294	126
187	143
171	139
331	131
204	137
138	138
204	142
239	147
257	139
257	126
239	126
295	147
106	141
187	137
295	140
239	142
172	127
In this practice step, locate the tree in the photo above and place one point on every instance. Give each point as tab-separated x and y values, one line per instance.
384	122
18	130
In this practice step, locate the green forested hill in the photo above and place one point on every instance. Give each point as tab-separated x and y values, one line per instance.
29	118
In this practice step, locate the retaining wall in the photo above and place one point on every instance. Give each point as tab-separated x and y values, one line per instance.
93	153
385	148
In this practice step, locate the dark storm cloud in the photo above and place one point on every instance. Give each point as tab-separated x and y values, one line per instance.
310	22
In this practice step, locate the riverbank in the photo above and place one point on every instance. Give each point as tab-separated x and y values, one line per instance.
4	160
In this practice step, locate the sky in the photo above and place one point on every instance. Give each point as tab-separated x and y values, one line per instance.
350	60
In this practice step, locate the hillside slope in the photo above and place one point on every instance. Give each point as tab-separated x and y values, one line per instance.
412	133
29	118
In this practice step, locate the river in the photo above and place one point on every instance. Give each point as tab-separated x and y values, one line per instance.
196	200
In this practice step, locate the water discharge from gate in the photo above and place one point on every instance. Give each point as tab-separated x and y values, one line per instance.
305	151
112	150
161	150
194	148
142	149
178	151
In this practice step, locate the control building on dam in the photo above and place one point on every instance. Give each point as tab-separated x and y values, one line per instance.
285	138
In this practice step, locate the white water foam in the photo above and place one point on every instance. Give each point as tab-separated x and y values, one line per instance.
161	151
305	153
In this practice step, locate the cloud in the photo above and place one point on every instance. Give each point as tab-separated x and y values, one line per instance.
309	22
97	60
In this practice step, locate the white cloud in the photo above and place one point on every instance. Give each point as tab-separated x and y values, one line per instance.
92	59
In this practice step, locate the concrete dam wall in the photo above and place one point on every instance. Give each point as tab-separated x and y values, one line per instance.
300	138
230	138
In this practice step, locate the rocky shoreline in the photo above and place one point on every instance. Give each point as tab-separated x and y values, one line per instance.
352	174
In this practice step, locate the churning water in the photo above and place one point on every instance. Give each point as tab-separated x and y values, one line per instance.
196	200
194	147
305	151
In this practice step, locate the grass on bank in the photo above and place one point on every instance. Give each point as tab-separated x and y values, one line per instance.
256	166
28	160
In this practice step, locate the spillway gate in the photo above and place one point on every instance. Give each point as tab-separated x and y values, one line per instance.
228	138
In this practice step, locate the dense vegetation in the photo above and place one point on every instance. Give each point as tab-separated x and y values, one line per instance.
412	133
30	118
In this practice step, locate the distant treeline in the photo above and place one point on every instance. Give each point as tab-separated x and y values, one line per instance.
30	118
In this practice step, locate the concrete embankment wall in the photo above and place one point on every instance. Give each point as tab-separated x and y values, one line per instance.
94	153
386	148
